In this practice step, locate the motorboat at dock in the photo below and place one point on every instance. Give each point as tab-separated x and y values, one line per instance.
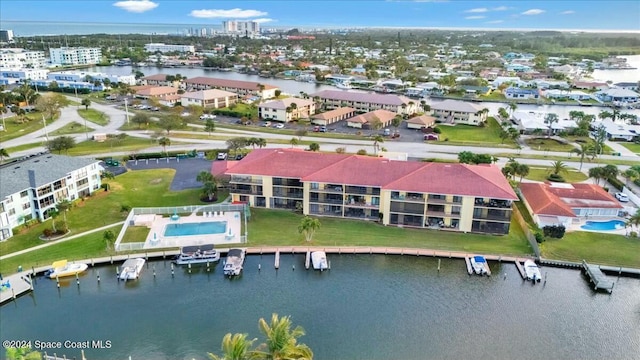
234	262
62	268
319	260
131	269
532	271
197	255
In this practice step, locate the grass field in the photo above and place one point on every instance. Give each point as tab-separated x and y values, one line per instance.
544	144
71	128
95	116
15	130
598	248
631	146
568	158
540	174
128	144
489	135
24	147
134	189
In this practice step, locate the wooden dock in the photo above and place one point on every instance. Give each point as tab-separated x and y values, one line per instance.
520	269
15	285
469	268
599	280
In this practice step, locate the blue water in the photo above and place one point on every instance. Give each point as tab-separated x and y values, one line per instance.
603	225
200	228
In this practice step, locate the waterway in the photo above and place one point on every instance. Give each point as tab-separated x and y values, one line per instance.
365	307
295	87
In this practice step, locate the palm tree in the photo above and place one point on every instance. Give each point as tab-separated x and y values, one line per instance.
630	175
396	121
3	154
262	142
308	226
53	214
235	347
584	151
634	220
62	207
522	170
209	189
281	341
557	168
377	140
293	141
597	174
204	176
549	119
512	107
314	146
610	171
164	142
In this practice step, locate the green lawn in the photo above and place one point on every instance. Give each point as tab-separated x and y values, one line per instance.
128	144
615	250
470	135
544	144
540	174
635	147
14	129
71	128
280	228
567	158
134	188
24	147
494	95
95	116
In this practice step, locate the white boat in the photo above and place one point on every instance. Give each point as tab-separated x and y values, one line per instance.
319	260
234	262
197	255
61	269
131	269
343	86
479	264
532	271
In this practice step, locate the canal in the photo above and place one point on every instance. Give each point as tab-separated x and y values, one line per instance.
365	307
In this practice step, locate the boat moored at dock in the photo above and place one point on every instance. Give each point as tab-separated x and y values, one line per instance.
479	265
532	271
319	260
234	262
62	268
197	255
131	269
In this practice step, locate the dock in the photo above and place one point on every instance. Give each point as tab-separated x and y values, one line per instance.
277	261
597	277
15	285
469	268
307	260
486	267
520	269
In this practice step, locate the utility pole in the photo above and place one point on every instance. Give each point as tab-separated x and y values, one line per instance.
86	129
126	110
46	134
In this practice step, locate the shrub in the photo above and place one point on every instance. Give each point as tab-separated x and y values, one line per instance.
555	178
104	186
62	229
616	183
437	130
539	237
47	232
125	208
633	234
362	152
554	231
446	139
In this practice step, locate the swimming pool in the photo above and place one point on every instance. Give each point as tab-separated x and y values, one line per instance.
198	228
603	225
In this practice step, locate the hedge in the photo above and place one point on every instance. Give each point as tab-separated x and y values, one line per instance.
616	183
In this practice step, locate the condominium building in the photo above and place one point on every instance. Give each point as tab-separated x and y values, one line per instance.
6	36
18	58
75	56
91	77
164	48
454	197
211	98
16	76
459	112
241	88
365	102
284	110
241	27
31	188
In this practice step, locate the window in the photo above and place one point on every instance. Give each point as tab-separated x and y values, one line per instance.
25	206
24	193
9	199
12	211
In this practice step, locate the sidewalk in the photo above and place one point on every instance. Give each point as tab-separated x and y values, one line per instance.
619	148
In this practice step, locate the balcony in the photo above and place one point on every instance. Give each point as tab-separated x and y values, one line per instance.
408	198
337	189
278	192
493	203
399	207
330	199
245	180
287	182
244	189
443	200
362	190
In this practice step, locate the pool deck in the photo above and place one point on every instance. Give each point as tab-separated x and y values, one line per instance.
156	239
623	231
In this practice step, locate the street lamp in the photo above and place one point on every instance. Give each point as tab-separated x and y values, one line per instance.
86	129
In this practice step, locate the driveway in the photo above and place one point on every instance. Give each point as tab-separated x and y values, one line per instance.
186	170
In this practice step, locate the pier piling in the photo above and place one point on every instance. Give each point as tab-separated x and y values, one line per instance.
439	260
277	261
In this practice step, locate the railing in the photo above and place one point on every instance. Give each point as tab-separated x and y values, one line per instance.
361	204
245	180
245	191
331	189
327	201
443	201
419	199
361	190
493	204
285	194
281	182
397	209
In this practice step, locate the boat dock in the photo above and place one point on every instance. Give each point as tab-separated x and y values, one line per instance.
520	269
598	278
469	268
15	285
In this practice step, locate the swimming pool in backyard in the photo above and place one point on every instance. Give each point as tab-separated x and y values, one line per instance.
196	228
603	225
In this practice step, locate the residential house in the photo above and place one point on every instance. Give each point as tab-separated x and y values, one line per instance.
514	80
566	95
366	120
212	98
459	112
616	131
365	102
283	110
517	93
550	84
265	91
633	86
157	92
421	121
30	189
590	85
158	80
618	96
333	116
531	122
454	197
563	203
471	90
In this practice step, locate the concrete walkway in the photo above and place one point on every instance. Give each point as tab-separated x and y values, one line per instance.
59	241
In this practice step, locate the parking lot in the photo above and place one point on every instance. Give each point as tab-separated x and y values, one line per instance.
186	170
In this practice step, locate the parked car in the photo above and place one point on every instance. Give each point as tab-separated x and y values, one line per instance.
239	157
386	132
622	197
267	124
316	129
279	126
185	113
222	156
323	129
207	116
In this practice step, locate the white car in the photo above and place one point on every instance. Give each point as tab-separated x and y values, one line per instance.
222	156
279	126
207	116
622	197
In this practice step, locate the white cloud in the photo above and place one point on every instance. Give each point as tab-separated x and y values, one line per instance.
228	14
475	17
500	8
494	22
568	12
136	6
477	10
263	20
533	12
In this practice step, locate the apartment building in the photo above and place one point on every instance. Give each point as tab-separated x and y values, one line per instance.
284	110
75	56
17	58
211	98
165	48
459	112
366	102
453	197
79	76
16	76
30	188
241	27
242	88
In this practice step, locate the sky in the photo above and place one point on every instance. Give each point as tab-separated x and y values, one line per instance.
492	14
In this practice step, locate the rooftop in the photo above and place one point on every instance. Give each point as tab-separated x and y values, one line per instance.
208	94
559	200
457	106
372	98
247	85
334	113
282	104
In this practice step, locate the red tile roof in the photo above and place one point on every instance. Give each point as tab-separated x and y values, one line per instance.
371	98
157	91
435	178
247	85
156	77
334	113
385	117
559	200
